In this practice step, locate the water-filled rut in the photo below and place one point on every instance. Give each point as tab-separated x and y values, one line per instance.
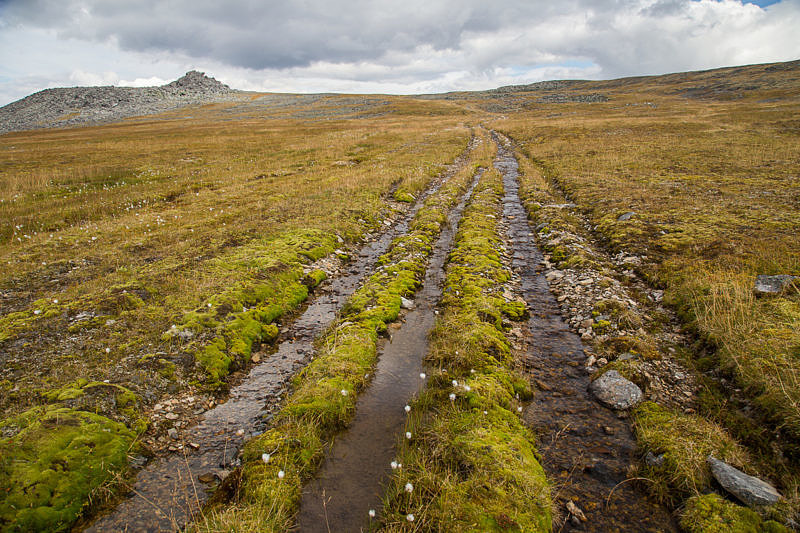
168	491
586	448
349	483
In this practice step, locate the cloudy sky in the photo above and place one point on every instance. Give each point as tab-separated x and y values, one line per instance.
391	46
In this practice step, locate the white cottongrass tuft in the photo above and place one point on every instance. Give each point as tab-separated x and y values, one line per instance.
344	392
409	487
452	397
108	350
407	408
37	311
467	388
393	464
371	513
519	409
281	474
422	375
455	383
265	457
410	517
408	434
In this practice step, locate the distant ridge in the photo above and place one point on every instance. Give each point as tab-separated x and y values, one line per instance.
71	106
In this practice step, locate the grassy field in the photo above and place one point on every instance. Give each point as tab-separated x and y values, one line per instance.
147	259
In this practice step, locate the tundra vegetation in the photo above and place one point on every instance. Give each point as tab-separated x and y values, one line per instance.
151	258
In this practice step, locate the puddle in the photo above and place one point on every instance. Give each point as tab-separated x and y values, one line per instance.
168	491
350	481
586	449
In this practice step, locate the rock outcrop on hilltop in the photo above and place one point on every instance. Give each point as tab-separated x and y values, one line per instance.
71	106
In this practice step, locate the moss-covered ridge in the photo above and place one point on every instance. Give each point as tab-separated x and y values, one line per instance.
325	392
53	463
471	461
230	323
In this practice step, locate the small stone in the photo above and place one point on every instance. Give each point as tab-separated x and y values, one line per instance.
602	362
615	391
255	358
627	356
773	284
171	416
626	216
173	433
207	477
575	511
194	445
405	303
652	459
750	490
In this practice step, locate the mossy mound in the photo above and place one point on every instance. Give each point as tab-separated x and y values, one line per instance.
710	513
55	461
686	441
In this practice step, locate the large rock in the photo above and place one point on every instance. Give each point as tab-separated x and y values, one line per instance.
773	284
615	391
750	490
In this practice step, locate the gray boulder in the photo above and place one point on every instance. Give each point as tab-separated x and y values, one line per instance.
615	391
773	284
748	489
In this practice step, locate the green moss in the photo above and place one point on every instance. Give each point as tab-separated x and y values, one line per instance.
710	513
403	196
600	327
50	468
314	278
686	441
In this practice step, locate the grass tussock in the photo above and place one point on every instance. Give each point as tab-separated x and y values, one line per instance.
686	441
471	461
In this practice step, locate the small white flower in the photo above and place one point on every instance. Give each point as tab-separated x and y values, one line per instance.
407	408
37	311
486	412
409	487
422	375
366	376
55	300
467	388
410	517
372	513
265	457
519	409
209	304
344	392
471	370
393	464
408	434
281	474
452	397
108	350
240	432
455	383
399	465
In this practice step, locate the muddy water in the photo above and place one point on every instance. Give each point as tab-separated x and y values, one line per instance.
169	491
350	481
586	448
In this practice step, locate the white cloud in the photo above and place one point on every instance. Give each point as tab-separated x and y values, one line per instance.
380	45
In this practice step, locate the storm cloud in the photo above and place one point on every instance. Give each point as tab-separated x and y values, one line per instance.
394	46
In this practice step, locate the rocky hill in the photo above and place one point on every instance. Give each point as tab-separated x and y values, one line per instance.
93	105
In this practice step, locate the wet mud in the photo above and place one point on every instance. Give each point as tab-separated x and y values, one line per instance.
170	491
586	448
350	481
